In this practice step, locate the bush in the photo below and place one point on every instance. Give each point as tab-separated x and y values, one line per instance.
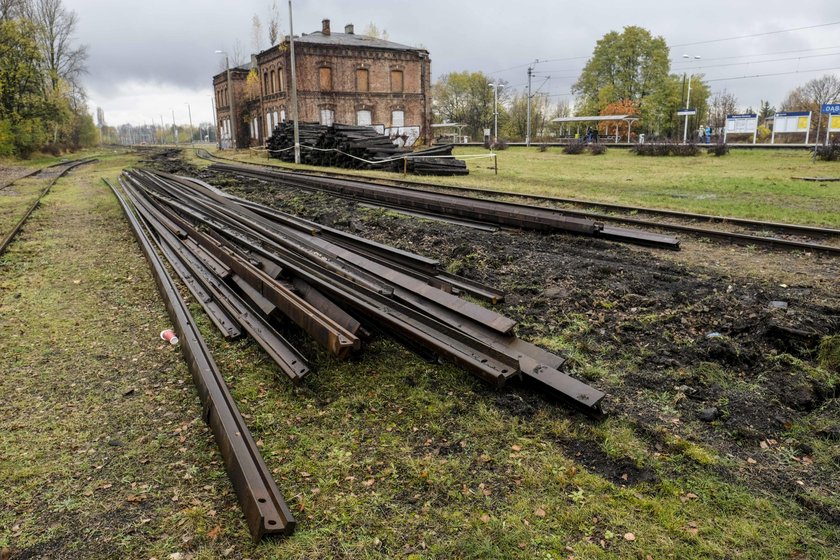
597	149
828	153
574	148
685	150
499	145
660	149
719	149
543	147
652	149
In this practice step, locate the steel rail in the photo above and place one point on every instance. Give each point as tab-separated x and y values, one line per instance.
180	256
266	513
423	185
328	333
619	234
13	233
458	206
326	251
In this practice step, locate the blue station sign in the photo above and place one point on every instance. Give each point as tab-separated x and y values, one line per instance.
831	109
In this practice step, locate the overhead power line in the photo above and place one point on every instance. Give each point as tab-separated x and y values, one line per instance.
773	74
755	35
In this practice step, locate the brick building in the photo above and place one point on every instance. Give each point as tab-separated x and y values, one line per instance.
341	78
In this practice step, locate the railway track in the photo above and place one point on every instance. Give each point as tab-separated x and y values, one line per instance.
51	174
776	235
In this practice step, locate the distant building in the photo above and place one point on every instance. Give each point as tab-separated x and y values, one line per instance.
341	78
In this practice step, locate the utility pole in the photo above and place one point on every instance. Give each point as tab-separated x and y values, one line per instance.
495	87
162	130
174	128
688	99
528	124
216	123
189	112
294	86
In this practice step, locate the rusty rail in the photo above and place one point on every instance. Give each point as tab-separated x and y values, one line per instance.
266	513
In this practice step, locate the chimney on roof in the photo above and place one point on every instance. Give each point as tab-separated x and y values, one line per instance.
325	26
348	28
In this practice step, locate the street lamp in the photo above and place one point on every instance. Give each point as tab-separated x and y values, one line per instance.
230	97
189	112
496	87
688	97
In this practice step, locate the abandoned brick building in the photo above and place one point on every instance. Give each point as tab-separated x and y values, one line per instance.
341	78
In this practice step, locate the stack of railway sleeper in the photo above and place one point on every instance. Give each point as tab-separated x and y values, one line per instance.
360	147
258	264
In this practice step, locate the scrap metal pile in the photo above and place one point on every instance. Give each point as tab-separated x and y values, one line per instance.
360	147
253	267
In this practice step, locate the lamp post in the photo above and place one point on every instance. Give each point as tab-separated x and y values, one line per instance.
294	86
688	97
216	122
496	87
189	112
230	97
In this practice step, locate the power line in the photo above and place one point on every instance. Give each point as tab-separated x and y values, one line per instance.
773	74
680	61
755	35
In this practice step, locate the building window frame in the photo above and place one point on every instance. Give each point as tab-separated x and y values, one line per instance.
397	80
325	78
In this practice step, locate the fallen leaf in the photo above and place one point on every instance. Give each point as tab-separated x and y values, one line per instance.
539	512
305	474
369	482
751	461
485	518
214	532
516	448
629	537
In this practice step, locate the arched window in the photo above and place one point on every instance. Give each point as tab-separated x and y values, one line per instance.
273	82
364	118
397	118
266	91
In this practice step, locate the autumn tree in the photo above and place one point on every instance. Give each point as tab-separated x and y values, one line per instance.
55	28
621	107
812	95
516	125
273	27
630	65
467	98
722	103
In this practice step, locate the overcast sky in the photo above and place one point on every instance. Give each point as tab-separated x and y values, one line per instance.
153	57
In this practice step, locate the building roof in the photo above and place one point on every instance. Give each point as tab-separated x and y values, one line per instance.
352	40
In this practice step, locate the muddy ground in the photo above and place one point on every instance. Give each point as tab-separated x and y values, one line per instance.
715	346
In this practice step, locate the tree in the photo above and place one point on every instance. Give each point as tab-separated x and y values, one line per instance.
273	24
256	33
723	103
516	124
622	107
372	31
766	111
467	98
811	97
55	28
11	9
630	65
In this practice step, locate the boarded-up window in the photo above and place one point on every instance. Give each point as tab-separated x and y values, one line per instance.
268	123
283	115
327	117
273	82
364	118
325	78
396	80
266	91
362	83
279	79
397	118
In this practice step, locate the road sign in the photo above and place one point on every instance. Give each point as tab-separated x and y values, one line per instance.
830	109
686	112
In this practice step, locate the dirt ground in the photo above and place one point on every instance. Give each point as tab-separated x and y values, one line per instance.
718	344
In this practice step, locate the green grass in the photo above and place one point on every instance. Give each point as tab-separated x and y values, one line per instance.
382	456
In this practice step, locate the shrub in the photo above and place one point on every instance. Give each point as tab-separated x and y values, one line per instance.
543	147
830	152
597	149
574	148
685	150
499	145
719	149
652	149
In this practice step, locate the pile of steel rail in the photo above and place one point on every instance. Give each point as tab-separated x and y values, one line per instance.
251	267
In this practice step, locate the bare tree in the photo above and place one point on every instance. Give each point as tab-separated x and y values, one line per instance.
10	9
256	33
55	28
372	31
823	90
237	55
273	23
722	103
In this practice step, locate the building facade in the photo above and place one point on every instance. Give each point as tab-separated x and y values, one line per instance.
341	78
